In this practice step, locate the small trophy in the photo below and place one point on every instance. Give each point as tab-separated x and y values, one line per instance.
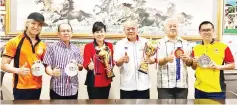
149	50
104	56
37	68
204	61
71	68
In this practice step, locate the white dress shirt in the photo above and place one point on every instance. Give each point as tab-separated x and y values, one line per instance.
131	79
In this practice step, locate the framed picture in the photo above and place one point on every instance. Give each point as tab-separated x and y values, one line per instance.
230	40
2	5
149	14
230	17
2	24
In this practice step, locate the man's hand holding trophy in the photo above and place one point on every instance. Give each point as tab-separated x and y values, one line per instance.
205	61
72	68
104	54
150	49
56	72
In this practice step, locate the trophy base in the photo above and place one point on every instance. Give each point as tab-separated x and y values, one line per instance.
143	71
143	68
110	75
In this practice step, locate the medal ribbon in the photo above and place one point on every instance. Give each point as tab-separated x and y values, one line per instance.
177	65
177	68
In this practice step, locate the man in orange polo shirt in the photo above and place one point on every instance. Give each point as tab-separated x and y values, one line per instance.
25	49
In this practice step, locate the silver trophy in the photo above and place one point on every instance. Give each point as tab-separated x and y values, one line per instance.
204	61
71	68
37	68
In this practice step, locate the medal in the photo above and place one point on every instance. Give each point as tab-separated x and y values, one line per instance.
204	61
178	52
37	68
71	68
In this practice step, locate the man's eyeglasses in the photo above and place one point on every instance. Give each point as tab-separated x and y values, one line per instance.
205	30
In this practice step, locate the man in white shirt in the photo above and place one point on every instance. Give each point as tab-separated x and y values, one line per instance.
172	75
128	55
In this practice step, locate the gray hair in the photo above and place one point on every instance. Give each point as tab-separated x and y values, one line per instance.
130	22
170	19
26	23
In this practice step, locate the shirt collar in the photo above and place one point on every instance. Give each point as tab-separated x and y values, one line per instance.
213	40
27	37
166	39
137	38
64	45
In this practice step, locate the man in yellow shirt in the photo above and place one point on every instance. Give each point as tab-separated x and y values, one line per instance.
210	79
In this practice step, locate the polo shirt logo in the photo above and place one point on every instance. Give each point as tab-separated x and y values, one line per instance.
216	50
40	51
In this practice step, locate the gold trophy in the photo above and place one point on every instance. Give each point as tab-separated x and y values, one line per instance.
149	50
104	56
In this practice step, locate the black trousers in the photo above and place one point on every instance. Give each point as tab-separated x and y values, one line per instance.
26	94
135	94
172	93
98	92
54	95
2	75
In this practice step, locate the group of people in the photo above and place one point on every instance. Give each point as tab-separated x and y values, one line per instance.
127	55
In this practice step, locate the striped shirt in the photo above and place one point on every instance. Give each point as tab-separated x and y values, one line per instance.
166	75
59	55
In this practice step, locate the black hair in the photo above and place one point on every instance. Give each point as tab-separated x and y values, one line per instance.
64	23
98	26
205	22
